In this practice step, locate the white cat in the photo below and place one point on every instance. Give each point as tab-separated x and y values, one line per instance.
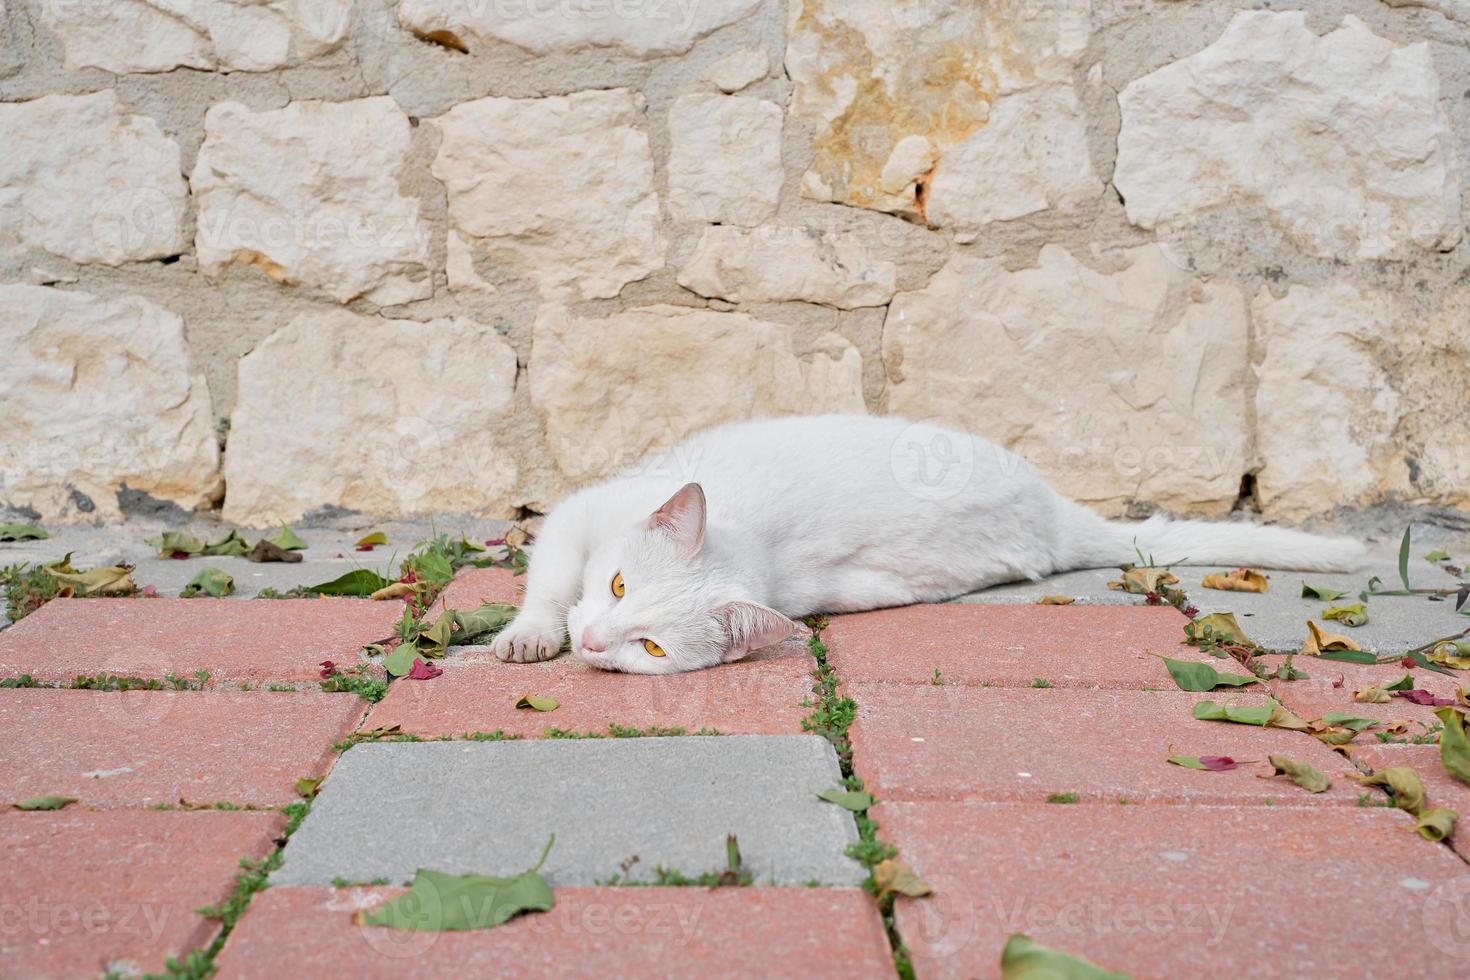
763	521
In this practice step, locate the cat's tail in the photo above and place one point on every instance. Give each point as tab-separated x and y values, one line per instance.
1162	541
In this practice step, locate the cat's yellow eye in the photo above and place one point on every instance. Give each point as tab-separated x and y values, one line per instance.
617	585
654	650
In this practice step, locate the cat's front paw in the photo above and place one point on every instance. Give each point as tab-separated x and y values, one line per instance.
529	642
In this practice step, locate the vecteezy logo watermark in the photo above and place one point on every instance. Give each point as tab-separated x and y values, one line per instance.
41	920
932	462
1446	917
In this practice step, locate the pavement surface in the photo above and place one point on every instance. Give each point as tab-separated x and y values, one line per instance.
1017	754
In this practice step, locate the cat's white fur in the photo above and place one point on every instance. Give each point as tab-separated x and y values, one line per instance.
782	518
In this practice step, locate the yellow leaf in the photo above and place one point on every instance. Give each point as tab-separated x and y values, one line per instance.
1372	695
1141	581
1318	641
397	590
889	876
1057	600
1449	655
1240	580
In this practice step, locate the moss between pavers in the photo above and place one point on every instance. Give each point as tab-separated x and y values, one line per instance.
831	717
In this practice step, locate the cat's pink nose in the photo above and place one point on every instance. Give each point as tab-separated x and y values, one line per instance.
589	643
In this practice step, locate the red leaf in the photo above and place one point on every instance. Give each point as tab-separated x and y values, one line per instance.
364	547
1409	662
1339	681
149	592
328	668
1217	763
179	555
1423	697
494	542
422	671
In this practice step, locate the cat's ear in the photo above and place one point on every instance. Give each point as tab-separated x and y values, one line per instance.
682	518
752	626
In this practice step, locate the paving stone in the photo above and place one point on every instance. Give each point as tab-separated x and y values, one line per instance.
591	932
1440	788
994	744
488	807
1276	619
473	587
143	748
236	641
1010	646
1167	892
761	695
98	891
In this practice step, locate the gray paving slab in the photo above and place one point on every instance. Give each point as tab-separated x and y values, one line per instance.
390	808
329	552
1277	619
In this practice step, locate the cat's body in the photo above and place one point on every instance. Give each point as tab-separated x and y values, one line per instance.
824	514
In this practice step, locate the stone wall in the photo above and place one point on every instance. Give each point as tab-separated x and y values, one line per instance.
461	255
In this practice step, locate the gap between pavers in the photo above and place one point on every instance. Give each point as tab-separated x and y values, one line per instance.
390	808
1167	892
590	932
1315	697
89	892
255	641
473	587
761	695
1010	646
924	742
1440	788
144	748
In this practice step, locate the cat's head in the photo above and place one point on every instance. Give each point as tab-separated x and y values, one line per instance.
650	604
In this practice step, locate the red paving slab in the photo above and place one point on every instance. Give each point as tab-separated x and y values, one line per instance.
1440	788
255	640
141	748
761	695
1010	646
473	587
923	742
86	892
591	932
1173	892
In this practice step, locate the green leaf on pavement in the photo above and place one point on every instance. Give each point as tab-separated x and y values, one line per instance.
439	902
22	532
1348	720
1304	775
1405	683
1222	625
288	539
1404	558
211	582
1321	594
170	543
471	625
108	580
1239	713
1437	823
854	800
1402	782
1202	677
230	544
45	803
359	582
1348	656
369	541
1353	615
1187	761
1437	555
399	660
536	702
1025	959
1272	714
1454	744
